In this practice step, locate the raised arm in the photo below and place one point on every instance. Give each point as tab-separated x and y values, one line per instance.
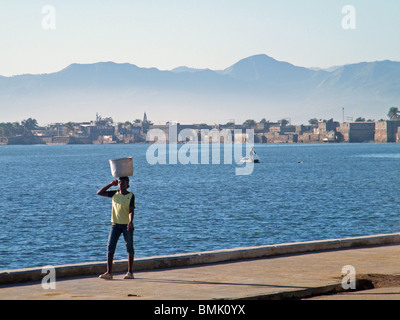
103	191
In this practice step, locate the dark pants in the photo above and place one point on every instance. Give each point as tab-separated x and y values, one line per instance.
115	233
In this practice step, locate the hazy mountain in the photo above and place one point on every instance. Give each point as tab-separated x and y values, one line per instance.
329	69
266	69
187	69
253	88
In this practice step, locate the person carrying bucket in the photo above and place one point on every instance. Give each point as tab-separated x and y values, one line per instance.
123	210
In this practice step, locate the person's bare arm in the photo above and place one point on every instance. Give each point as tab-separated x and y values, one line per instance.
103	191
131	213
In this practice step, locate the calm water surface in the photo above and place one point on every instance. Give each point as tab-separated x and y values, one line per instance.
50	213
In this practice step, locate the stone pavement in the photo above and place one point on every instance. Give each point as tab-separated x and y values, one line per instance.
305	275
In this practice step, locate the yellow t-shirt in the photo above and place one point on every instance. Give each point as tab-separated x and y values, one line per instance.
120	207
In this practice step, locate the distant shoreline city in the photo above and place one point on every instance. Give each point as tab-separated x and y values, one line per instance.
105	131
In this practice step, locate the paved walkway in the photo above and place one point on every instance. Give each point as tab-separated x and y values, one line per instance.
233	280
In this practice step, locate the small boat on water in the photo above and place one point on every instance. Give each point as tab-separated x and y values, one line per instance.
253	157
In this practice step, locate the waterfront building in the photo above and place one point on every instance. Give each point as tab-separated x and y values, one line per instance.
356	131
387	131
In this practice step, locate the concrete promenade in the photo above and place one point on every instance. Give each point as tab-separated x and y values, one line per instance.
305	270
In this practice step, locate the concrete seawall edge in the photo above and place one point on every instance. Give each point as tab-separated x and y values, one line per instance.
199	258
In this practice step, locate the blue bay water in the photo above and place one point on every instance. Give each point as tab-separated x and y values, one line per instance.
51	214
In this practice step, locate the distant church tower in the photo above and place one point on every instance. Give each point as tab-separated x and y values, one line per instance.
145	124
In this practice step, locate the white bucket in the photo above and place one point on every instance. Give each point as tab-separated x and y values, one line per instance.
121	167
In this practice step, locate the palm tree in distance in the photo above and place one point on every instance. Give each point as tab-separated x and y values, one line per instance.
29	124
394	113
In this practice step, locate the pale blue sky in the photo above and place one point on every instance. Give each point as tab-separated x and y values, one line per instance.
201	34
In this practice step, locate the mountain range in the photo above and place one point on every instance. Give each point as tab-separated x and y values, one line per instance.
253	88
